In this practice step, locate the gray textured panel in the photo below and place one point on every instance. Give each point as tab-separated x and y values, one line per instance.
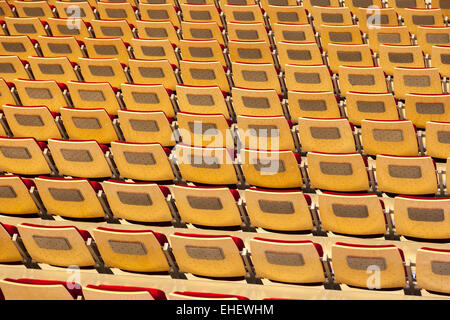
7	192
387	135
254	76
362	3
249	53
247	34
76	155
349	56
325	133
86	123
400	57
13	47
310	78
201	33
106	50
320	3
51	68
200	99
277	207
128	247
205	253
203	74
201	52
112	31
156	1
406	3
144	97
294	35
2	13
284	258
91	95
312	105
336	168
139	158
278	2
276	166
151	72
437	38
116	13
237	2
417	81
425	214
263	131
7	68
350	211
68	31
61	48
441	268
156	32
205	203
205	162
409	172
102	71
430	108
38	93
371	106
198	127
255	102
25	28
196	1
52	243
423	20
243	16
332	18
363	263
445	58
201	15
299	54
29	120
444	4
287	16
158	14
361	79
15	152
341	37
378	19
69	12
389	37
134	199
72	195
34	12
443	136
144	125
153	51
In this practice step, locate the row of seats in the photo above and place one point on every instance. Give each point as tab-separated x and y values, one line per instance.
350	214
224	256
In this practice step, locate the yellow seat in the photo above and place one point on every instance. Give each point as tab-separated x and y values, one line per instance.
252	102
36	289
153	72
308	78
393	56
155	30
31	26
256	76
202	100
152	49
320	104
49	68
354	55
376	106
59	46
16	198
416	80
107	48
422	108
12	67
102	70
209	73
287	14
395	35
362	79
68	27
431	269
94	95
107	292
427	37
437	139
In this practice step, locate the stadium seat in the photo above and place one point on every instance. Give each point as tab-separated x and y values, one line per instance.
341	172
376	106
309	4
312	104
247	32
117	11
208	73
146	49
9	252
393	56
40	9
256	76
189	295
202	100
201	13
375	17
155	30
160	12
362	79
37	289
395	35
31	27
16	197
107	48
299	53
202	31
331	16
297	33
437	139
427	37
67	10
6	92
250	52
110	292
421	108
58	47
287	14
112	29
12	54
68	27
49	68
416	80
6	9
243	14
341	34
356	55
202	50
439	59
103	70
415	17
401	5
431	269
308	78
252	102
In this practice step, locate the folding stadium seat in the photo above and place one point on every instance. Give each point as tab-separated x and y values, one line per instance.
11	67
37	289
414	175
252	102
202	50
193	1
15	195
393	56
291	261
89	124
108	292
308	78
352	214
207	206
247	32
362	79
132	250
440	59
416	80
85	95
142	161
354	5
82	9
6	92
331	16
107	48
287	14
396	137
138	97
160	12
80	158
250	52
297	33
9	252
355	55
438	139
49	68
201	13
30	26
204	130
154	72
40	9
432	269
37	122
395	35
71	198
208	73
112	29
312	104
117	11
6	9
307	53
376	106
352	263
422	217
271	169
217	256
341	34
401	5
61	246
368	17
265	207
428	37
326	135
69	27
414	17
265	132
20	46
443	4
421	108
256	76
155	30
146	127
189	295
342	172
60	47
202	31
103	70
142	202
243	14
202	100
309	4
23	156
154	50
206	165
